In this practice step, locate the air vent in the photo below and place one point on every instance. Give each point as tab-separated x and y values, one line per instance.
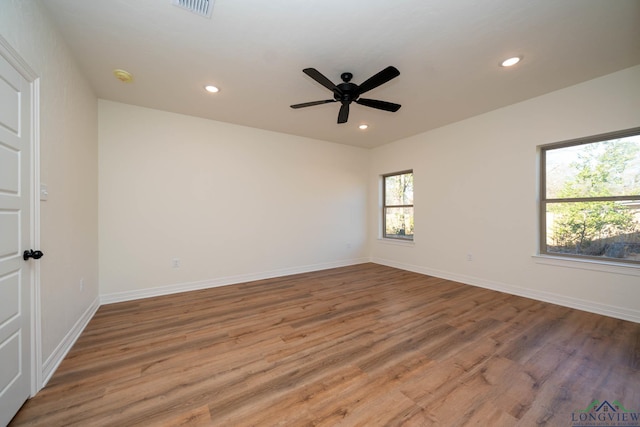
199	7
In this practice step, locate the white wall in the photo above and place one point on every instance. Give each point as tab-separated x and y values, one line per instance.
68	159
232	203
475	189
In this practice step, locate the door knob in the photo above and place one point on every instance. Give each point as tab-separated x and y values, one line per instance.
32	254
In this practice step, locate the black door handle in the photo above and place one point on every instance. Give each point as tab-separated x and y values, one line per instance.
32	254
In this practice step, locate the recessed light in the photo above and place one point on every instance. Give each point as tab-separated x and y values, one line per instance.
363	126
511	61
212	89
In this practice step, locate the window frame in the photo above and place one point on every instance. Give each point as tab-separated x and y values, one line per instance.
385	206
544	201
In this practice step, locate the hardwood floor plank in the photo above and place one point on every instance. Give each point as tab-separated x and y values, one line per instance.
364	345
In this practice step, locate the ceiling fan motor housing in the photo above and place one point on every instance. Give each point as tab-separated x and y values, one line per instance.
346	92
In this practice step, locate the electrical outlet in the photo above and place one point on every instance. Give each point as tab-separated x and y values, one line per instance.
175	263
469	257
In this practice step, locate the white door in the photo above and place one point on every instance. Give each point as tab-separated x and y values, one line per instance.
15	273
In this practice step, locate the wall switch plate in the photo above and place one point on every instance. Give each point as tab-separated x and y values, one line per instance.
44	192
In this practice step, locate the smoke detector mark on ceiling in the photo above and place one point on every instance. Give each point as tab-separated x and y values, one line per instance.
199	7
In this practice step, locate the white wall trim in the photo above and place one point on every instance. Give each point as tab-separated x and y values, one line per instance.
588	264
13	57
60	352
571	302
396	242
222	281
36	304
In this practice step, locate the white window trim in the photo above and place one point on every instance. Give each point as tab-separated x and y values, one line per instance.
575	261
381	207
396	242
588	264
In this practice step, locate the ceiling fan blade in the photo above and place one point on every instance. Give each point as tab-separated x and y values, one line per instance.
378	79
312	103
380	105
320	78
343	115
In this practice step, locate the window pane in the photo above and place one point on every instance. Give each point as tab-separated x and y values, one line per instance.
602	229
399	189
399	223
607	168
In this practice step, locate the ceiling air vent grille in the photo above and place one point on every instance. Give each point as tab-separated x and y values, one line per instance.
199	7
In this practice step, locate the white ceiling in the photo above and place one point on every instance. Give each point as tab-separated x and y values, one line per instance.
447	51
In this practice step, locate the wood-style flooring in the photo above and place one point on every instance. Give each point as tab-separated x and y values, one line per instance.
365	345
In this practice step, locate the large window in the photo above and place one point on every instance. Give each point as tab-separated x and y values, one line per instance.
590	198
397	207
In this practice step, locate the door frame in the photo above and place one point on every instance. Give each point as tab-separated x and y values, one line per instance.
23	68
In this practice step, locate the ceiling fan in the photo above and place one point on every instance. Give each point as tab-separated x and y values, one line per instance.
347	92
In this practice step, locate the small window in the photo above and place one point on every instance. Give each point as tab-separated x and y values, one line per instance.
590	198
397	206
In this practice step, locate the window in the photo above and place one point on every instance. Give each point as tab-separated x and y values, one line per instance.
397	206
590	198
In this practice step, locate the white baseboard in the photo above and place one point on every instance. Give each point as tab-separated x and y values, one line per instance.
223	281
565	301
54	360
60	352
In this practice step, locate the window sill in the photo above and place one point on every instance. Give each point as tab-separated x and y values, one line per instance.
588	264
396	242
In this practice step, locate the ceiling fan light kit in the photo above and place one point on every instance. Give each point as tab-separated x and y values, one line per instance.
347	92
